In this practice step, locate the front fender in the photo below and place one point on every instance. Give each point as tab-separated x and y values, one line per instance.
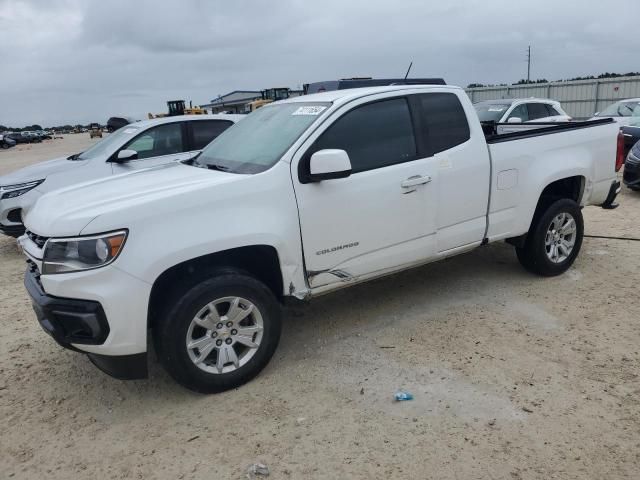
256	210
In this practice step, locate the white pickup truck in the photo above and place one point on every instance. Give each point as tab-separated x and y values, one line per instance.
303	197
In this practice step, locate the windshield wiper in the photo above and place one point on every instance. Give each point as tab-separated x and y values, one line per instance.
221	168
211	166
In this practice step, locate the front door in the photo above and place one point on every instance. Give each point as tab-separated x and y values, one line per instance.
382	216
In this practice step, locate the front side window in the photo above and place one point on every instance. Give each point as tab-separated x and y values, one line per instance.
445	121
520	112
374	135
108	144
204	131
157	141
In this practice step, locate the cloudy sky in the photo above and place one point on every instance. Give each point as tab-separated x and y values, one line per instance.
77	61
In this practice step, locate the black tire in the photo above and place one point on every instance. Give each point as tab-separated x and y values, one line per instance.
170	333
533	256
5	145
635	188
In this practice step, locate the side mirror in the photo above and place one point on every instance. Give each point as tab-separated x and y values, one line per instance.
126	155
329	164
514	120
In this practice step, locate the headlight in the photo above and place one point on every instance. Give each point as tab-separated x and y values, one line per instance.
19	188
62	255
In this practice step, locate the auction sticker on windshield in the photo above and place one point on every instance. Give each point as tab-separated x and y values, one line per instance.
309	110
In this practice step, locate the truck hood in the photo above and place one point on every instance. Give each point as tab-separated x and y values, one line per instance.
40	171
66	212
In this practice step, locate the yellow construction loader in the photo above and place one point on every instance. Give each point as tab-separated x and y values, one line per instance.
177	107
268	96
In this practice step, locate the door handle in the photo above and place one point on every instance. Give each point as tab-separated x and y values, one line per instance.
415	181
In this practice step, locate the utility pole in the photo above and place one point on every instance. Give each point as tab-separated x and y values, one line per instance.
529	64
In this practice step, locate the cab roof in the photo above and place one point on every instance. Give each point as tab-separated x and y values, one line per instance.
343	96
182	118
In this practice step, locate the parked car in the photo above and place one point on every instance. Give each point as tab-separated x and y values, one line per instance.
631	176
23	137
359	82
43	135
95	131
114	123
631	134
6	141
303	197
148	143
492	113
623	112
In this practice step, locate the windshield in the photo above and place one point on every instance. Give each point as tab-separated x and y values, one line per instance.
491	112
257	143
104	146
622	109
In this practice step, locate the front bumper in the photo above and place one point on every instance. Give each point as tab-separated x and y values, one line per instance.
68	321
73	323
14	230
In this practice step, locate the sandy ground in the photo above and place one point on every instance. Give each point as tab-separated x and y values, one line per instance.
29	153
514	377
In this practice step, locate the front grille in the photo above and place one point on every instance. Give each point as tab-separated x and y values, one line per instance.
37	239
33	268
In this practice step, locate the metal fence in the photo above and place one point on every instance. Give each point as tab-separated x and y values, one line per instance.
580	99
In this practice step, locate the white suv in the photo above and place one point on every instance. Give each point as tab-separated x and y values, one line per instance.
625	112
517	111
138	145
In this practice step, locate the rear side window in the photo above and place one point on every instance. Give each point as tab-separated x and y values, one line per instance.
537	110
374	135
552	111
204	131
444	120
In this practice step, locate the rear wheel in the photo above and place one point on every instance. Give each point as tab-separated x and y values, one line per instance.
554	239
635	188
220	333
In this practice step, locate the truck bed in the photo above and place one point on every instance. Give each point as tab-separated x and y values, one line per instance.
524	163
537	129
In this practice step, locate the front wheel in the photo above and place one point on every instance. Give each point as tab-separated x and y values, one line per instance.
220	333
554	239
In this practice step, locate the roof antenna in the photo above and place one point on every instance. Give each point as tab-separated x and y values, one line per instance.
408	70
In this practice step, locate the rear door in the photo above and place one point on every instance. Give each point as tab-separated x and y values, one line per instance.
203	132
382	216
157	145
463	171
